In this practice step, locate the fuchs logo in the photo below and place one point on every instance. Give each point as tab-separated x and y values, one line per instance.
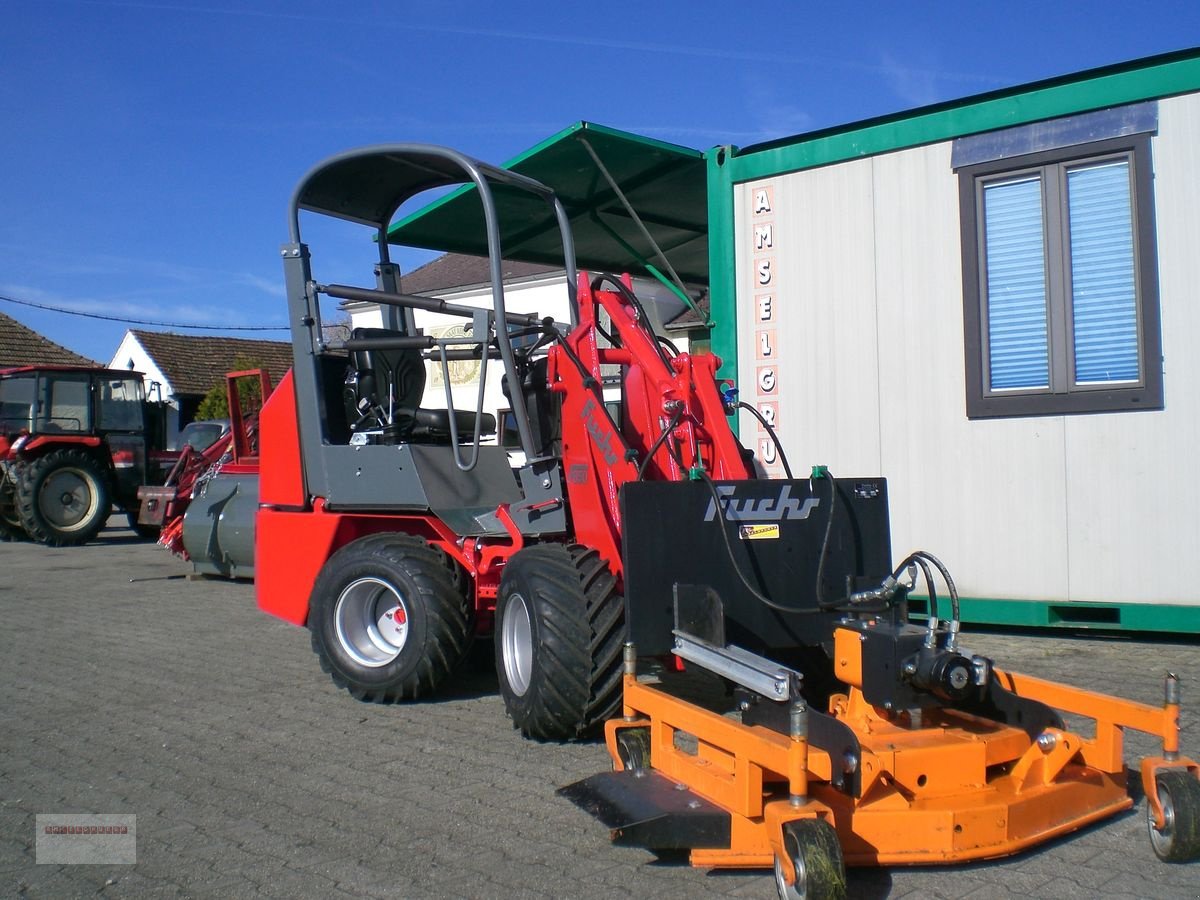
785	506
601	431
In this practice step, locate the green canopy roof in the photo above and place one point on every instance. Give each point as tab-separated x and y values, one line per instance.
664	183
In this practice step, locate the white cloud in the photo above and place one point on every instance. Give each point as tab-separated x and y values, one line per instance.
273	287
915	85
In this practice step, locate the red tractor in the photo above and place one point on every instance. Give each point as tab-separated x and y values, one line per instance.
398	533
74	441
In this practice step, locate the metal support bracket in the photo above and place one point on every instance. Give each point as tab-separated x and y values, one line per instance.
751	671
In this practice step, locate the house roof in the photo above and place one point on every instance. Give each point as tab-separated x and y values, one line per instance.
22	346
193	364
456	270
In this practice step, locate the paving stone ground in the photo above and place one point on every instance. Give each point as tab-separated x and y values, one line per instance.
126	688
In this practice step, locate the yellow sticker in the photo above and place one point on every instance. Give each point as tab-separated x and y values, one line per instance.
760	532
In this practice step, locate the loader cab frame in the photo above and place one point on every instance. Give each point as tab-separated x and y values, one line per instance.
365	444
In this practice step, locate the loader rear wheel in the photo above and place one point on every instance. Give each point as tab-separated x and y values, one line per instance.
1179	795
560	624
815	856
63	498
386	620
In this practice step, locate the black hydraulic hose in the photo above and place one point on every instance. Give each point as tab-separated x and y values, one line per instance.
612	339
949	583
787	470
659	442
588	380
631	298
919	557
930	586
755	592
821	602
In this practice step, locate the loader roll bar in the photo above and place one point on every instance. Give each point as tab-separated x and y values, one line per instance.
367	186
420	342
432	304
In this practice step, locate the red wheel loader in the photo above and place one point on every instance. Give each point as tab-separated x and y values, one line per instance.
397	533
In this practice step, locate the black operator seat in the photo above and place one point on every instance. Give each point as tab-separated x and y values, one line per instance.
387	393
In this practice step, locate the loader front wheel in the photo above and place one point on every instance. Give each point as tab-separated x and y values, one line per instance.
814	854
1179	838
386	619
63	498
560	626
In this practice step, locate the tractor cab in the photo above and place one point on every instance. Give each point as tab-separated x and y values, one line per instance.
80	401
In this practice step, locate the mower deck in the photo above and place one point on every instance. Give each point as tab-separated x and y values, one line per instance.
951	790
931	786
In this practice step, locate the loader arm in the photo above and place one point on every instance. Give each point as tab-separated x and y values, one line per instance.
673	422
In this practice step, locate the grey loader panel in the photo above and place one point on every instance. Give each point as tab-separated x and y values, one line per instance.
415	477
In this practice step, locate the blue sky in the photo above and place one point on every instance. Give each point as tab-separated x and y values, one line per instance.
150	148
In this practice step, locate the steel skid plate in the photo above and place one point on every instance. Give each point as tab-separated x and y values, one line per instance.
643	808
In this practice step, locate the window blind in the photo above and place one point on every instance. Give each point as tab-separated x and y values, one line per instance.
1015	292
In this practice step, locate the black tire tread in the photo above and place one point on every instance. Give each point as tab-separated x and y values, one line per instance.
445	611
817	841
145	532
1184	791
11	528
581	628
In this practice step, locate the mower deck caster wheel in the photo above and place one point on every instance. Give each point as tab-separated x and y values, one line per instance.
815	856
633	748
1179	796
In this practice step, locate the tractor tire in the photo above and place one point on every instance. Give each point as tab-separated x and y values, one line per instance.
11	528
387	623
1179	839
560	628
145	532
815	856
63	498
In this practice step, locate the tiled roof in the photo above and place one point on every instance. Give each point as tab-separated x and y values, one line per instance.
22	346
194	364
454	270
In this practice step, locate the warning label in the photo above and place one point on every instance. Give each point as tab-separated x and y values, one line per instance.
759	532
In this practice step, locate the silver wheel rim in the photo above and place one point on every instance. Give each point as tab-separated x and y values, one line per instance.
797	890
516	639
372	622
1163	838
68	499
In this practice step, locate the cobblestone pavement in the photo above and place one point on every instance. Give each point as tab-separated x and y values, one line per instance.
127	688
